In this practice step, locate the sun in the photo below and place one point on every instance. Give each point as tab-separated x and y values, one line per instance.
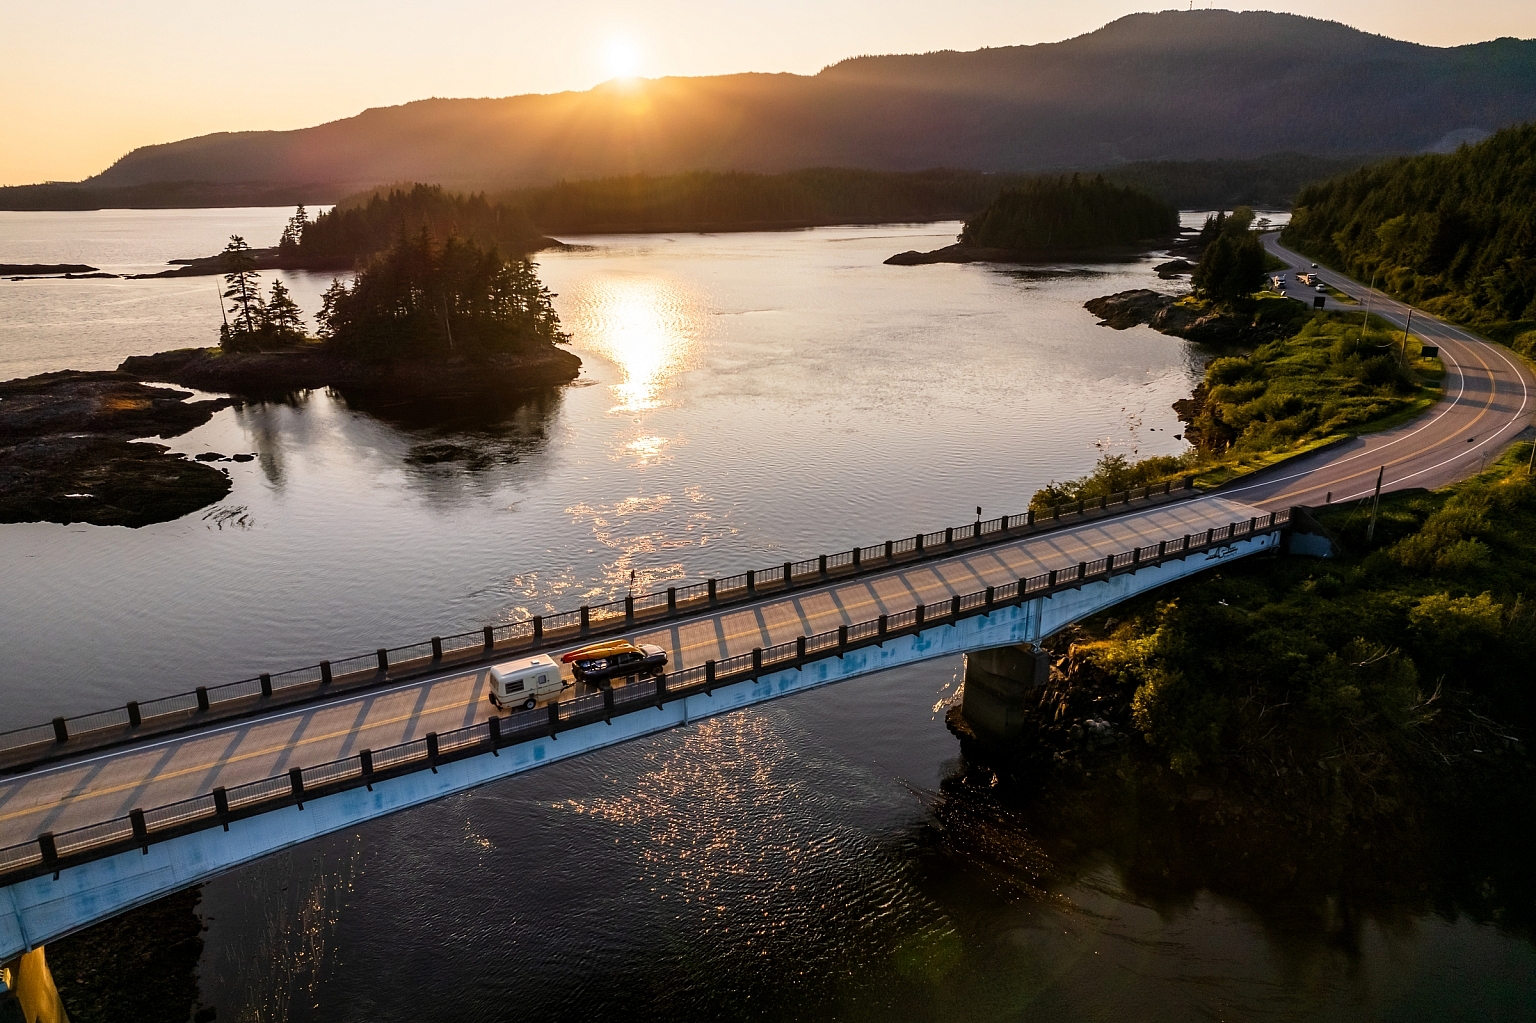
622	57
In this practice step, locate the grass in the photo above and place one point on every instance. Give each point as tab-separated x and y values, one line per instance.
1334	377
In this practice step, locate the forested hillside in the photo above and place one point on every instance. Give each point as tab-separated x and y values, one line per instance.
1455	233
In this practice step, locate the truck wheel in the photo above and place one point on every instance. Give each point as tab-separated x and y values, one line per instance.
530	703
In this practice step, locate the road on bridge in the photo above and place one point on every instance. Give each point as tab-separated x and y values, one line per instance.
1487	401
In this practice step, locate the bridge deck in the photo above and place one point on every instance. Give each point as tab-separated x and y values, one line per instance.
95	788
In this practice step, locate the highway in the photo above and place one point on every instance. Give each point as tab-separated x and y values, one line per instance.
1488	399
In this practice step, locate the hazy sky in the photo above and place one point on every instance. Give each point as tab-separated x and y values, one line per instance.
82	83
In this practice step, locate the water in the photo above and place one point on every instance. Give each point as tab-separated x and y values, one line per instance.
745	399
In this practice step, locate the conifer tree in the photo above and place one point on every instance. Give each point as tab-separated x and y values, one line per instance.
242	286
283	316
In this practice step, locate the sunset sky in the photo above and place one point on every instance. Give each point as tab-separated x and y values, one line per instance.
85	82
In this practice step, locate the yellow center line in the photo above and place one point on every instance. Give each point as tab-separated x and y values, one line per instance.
840	613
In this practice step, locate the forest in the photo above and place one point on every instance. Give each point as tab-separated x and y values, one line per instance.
363	226
420	298
1069	214
1454	233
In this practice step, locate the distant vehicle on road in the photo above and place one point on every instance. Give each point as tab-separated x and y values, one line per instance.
603	662
1323	288
1314	266
525	682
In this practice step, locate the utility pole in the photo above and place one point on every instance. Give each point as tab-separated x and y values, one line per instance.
1406	327
1370	531
1366	322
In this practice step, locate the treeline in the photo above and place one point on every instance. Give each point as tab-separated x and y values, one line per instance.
357	229
1454	233
1267	182
715	200
1065	214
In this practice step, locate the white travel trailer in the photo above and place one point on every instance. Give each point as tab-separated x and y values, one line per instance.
526	683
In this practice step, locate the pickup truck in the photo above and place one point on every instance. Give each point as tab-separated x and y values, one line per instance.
603	662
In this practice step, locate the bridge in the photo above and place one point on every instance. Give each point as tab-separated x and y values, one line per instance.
110	810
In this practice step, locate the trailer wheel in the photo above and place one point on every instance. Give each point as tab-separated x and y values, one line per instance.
530	703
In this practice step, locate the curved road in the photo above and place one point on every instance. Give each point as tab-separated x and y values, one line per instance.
1489	398
1490	395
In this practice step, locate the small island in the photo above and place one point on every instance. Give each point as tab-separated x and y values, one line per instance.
422	319
1050	219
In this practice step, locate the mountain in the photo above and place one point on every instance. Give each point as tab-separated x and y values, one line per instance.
1174	85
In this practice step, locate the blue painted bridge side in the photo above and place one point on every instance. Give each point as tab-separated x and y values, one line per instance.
42	909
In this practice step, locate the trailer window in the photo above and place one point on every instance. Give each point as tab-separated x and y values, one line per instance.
515	685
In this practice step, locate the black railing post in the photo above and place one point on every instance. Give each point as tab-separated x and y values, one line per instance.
1082	570
383	661
60	730
296	784
1210	535
671	600
1050	581
140	829
842	639
1029	517
432	751
554	718
917	615
1104	502
221	805
135	719
890	549
789	576
266	684
202	697
799	648
661	689
751	580
325	673
629	607
608	704
821	566
365	756
586	618
490	638
1253	525
493	730
538	628
949	535
856	559
709	676
882	624
711	591
1162	548
954	609
917	543
1135	556
50	850
757	660
1081	507
437	648
991	595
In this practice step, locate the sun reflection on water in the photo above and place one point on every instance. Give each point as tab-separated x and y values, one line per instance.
648	325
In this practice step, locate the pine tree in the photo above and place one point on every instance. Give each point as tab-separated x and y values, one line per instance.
283	316
330	302
242	286
293	232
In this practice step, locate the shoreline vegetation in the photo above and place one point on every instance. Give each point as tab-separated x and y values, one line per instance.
1048	219
1286	380
1344	698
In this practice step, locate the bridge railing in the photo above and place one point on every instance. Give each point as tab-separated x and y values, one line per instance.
51	852
69	734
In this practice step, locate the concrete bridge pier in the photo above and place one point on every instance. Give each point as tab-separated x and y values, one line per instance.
1001	684
27	992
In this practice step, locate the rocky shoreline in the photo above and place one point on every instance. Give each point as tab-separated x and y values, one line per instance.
1200	322
68	451
959	253
275	373
69	441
